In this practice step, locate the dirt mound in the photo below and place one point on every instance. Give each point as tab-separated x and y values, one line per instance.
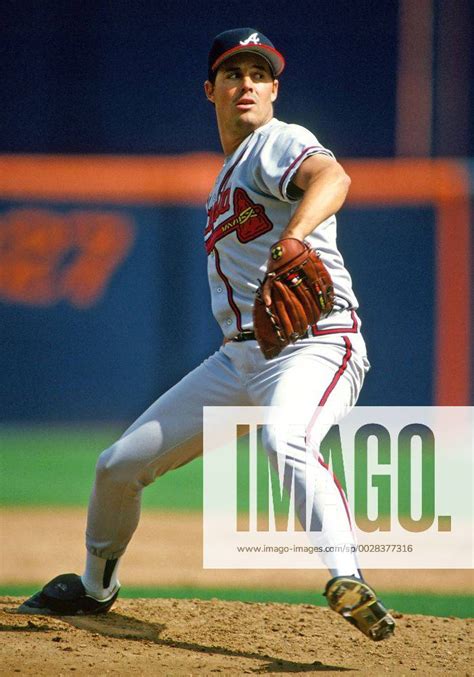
192	637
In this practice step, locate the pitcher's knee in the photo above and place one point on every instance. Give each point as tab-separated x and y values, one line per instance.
114	466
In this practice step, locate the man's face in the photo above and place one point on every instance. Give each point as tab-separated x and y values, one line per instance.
243	92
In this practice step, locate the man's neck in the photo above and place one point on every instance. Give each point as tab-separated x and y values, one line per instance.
231	139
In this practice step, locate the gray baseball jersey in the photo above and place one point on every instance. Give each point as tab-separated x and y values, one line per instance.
251	203
249	207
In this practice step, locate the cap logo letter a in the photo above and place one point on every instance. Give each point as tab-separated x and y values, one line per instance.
254	39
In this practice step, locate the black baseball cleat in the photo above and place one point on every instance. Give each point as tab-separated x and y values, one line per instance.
357	603
66	595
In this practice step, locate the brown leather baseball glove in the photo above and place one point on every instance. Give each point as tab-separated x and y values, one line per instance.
301	292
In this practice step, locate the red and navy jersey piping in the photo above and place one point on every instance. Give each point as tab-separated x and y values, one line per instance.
230	293
338	330
317	150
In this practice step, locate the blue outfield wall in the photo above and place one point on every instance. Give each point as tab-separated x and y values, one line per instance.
152	322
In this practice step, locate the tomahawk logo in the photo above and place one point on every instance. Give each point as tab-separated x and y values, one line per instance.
248	220
254	39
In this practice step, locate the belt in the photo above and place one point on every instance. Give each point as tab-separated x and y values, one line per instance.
247	335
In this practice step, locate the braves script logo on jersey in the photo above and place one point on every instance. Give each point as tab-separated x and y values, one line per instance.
220	206
248	220
254	39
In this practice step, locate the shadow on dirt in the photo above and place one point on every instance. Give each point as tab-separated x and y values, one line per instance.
26	628
120	626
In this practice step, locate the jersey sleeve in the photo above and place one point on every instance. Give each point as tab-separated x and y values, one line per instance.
281	157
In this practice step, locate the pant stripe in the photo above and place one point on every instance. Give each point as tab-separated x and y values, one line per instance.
339	373
322	402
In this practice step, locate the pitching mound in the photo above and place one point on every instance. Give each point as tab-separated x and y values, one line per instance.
192	637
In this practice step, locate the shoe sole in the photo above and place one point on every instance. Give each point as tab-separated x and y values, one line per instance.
43	609
356	602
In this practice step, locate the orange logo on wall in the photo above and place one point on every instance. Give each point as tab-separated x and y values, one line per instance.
47	256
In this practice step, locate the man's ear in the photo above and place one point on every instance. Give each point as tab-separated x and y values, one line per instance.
275	90
209	90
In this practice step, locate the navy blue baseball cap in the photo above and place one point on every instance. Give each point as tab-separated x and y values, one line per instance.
238	40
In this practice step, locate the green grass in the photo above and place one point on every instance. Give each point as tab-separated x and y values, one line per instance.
55	466
460	606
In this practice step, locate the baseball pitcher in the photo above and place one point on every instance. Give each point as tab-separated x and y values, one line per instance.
291	335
